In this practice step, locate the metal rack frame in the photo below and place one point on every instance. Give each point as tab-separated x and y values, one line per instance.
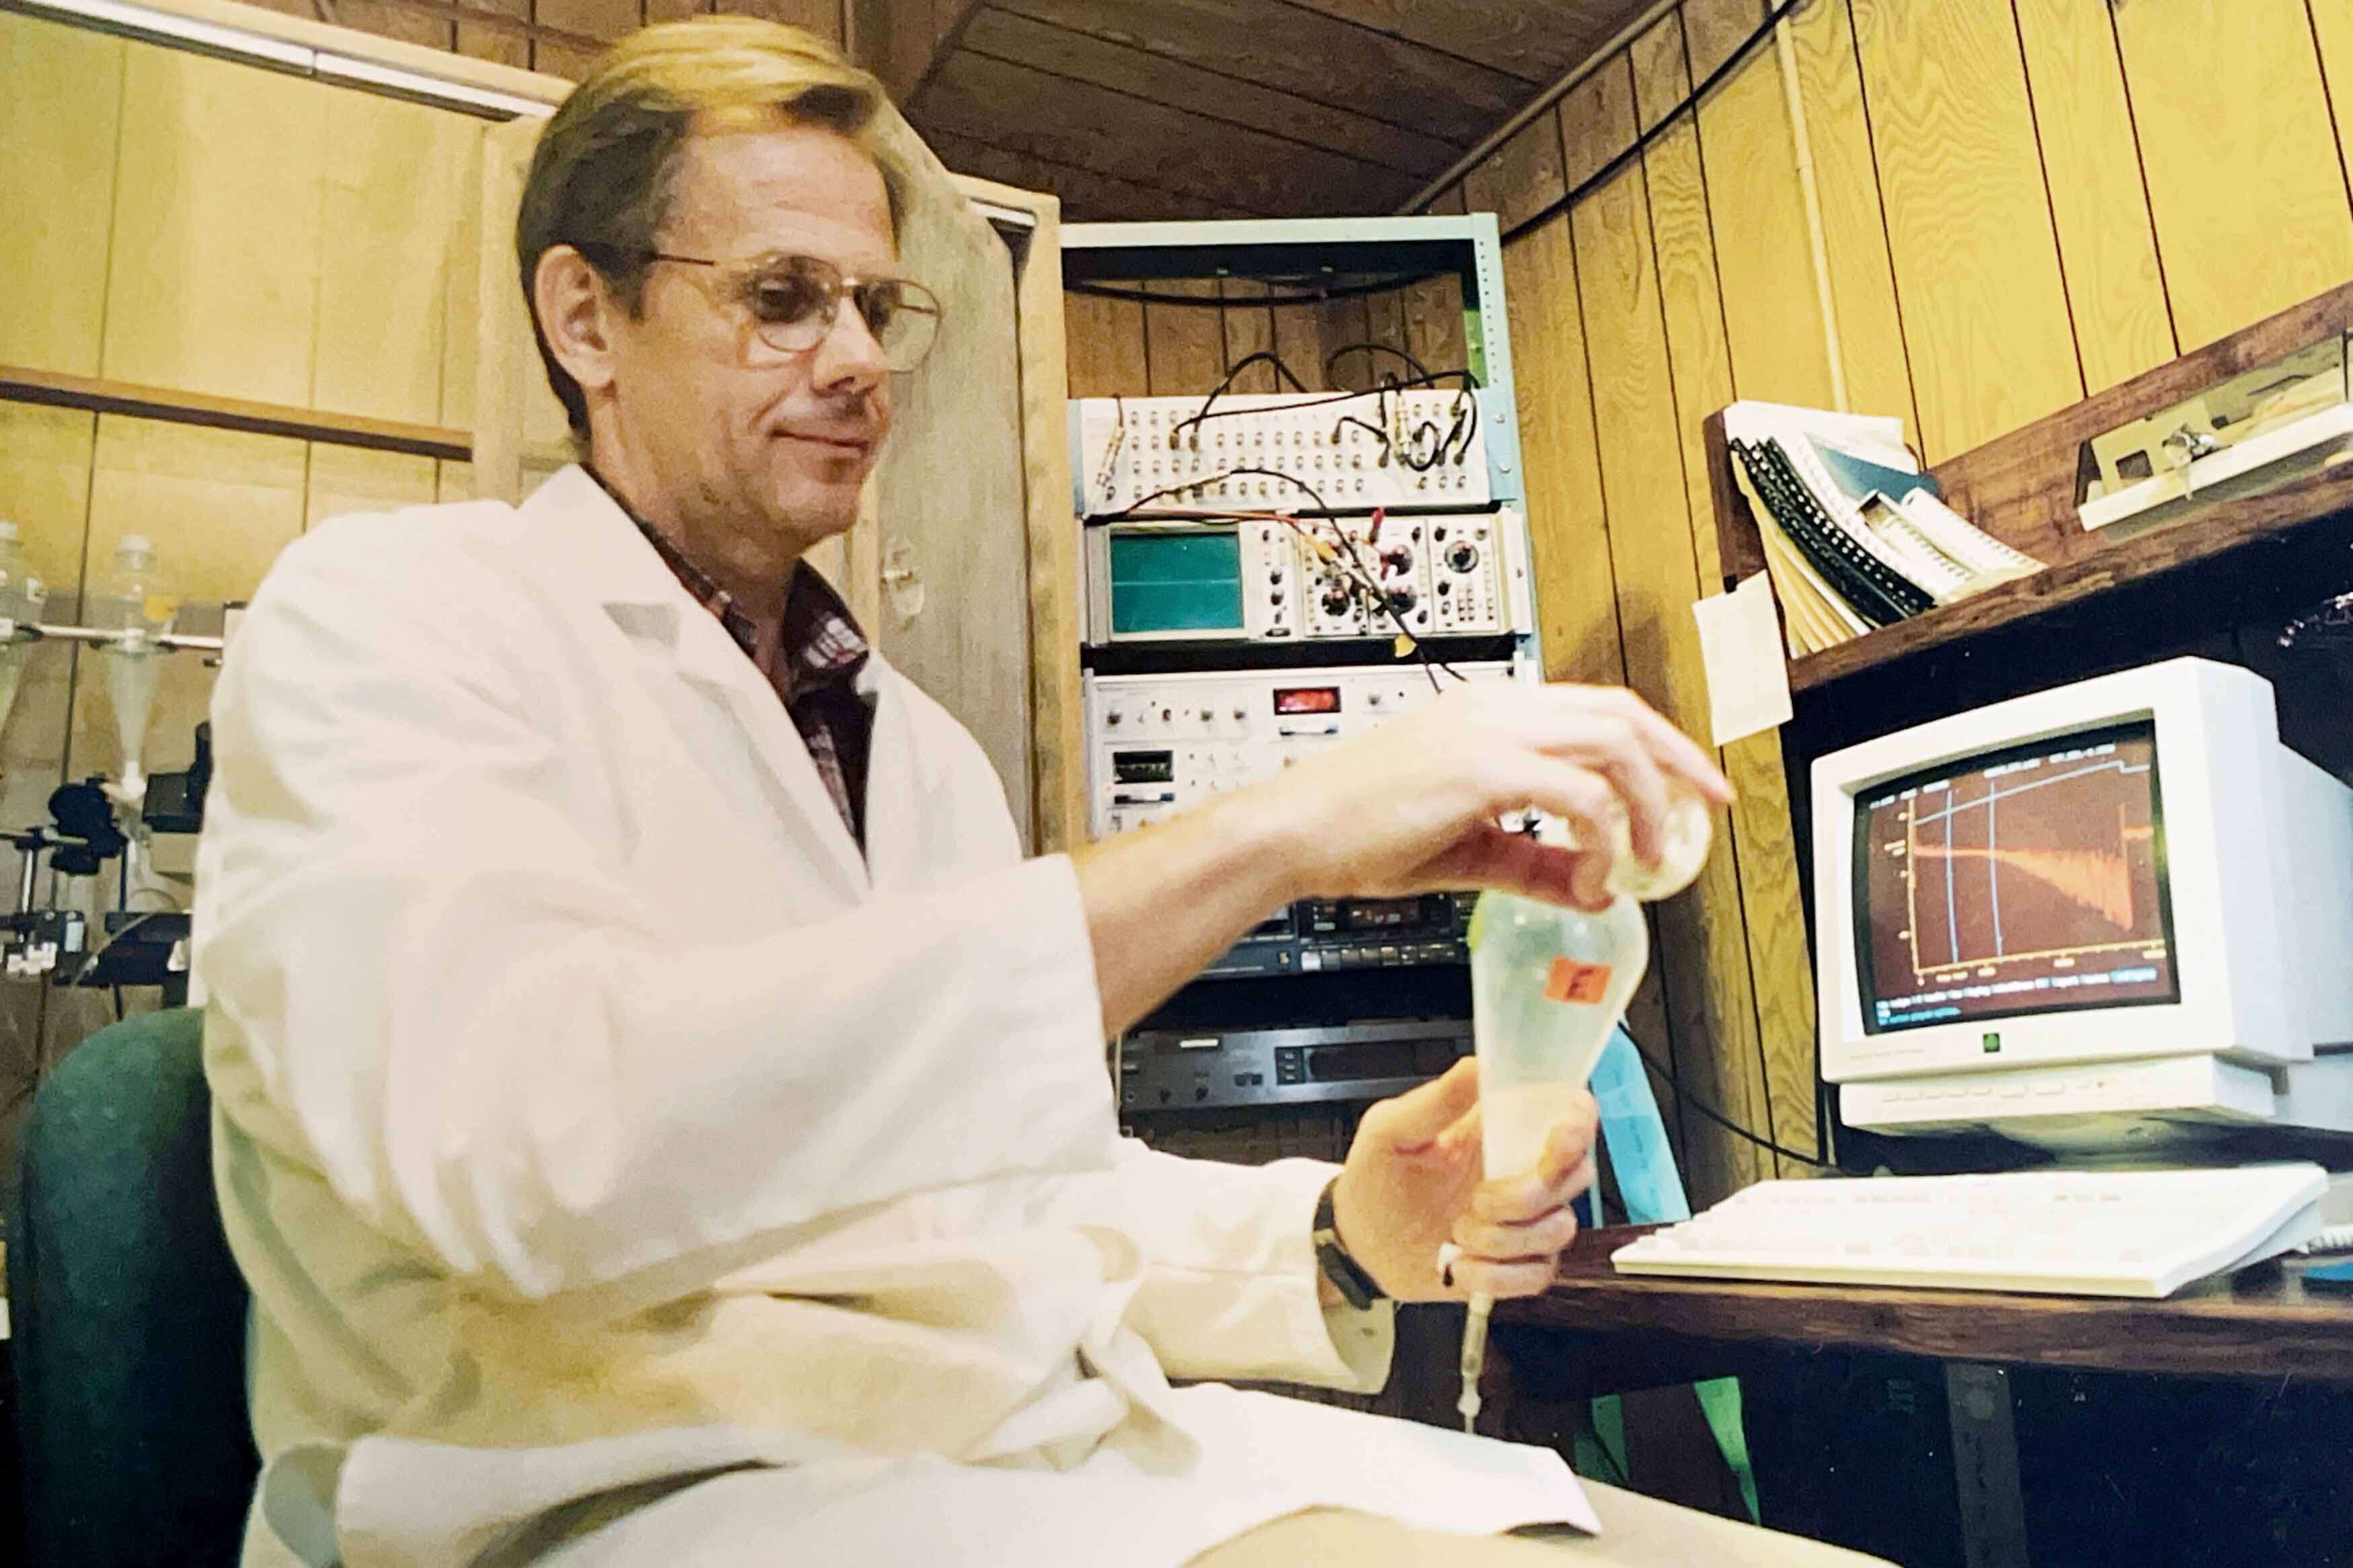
1468	246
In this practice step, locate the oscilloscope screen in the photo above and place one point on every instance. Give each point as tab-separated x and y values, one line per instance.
2031	879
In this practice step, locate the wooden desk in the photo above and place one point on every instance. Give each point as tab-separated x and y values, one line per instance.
2260	1323
1599	1331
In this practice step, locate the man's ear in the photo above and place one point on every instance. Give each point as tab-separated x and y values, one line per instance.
575	310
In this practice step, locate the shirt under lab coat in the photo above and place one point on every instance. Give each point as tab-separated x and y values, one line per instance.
589	1112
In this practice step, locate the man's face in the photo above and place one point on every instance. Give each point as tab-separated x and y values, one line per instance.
757	454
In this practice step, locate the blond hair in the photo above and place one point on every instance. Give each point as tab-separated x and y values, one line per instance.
603	173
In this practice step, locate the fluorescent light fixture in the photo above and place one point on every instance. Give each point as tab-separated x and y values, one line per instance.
139	19
260	48
416	84
1012	217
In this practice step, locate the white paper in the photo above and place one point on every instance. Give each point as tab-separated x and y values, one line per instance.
1740	644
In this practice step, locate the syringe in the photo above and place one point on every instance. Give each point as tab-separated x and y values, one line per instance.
1548	983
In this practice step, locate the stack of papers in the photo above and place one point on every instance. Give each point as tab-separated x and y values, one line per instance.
1855	535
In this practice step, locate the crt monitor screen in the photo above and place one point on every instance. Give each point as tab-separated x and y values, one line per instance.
2030	879
1172	581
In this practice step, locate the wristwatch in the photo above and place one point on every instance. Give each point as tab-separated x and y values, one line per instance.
1347	1276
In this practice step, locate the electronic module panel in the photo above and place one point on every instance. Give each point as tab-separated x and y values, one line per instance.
1208	1069
1321	935
1157	745
1321	451
1304	579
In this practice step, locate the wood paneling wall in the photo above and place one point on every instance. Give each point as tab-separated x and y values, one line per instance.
2022	202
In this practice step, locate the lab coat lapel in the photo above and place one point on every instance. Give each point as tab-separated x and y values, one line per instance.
601	549
708	657
893	825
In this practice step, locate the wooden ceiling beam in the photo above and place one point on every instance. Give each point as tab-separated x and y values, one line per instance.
1088	195
1295	50
1535	42
1089	127
1003	35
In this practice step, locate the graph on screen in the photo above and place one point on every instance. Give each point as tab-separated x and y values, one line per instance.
2027	881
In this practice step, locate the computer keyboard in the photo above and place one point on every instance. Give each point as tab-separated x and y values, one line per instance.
2070	1233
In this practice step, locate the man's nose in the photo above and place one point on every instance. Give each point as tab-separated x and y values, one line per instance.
851	357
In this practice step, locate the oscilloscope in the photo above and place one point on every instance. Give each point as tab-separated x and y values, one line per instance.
2118	904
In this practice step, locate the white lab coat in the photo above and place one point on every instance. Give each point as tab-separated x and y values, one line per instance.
588	1112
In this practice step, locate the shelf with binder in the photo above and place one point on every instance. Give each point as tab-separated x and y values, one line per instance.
2241	555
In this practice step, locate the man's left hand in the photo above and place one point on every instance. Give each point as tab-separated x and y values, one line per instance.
1413	1182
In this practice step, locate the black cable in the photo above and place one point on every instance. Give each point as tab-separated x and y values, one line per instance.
1320	401
1466	382
1388	448
1312	493
1269	356
1611	169
1352	567
1316	294
1367	583
1437	454
1469	411
1336	356
1466	416
1098	520
1462	375
1141	501
1719	1118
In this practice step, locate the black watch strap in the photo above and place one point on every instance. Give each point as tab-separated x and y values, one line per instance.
1347	1276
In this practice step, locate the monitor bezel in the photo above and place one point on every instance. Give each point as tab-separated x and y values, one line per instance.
2218	732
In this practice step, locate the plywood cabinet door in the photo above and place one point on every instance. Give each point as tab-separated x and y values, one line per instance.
950	550
517	424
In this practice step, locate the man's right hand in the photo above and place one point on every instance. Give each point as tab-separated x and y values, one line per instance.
1412	806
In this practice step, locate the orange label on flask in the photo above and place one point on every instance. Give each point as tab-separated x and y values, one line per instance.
1573	982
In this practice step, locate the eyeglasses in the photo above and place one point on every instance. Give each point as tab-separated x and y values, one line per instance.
795	301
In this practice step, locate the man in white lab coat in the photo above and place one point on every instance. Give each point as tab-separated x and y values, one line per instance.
660	1115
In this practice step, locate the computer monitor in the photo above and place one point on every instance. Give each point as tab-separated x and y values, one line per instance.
2127	867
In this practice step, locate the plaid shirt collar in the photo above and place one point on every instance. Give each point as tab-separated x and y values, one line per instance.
821	644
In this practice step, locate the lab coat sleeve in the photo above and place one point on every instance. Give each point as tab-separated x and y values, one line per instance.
445	1002
1229	1269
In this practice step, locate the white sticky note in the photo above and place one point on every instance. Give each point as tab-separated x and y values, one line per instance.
1748	676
